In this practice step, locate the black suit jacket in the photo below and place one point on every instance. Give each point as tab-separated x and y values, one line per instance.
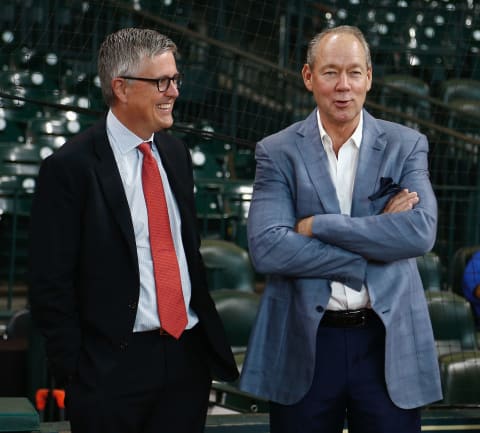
84	276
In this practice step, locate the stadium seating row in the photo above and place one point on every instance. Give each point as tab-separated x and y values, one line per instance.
231	279
457	344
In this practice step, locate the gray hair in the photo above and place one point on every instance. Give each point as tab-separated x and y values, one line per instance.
352	30
122	52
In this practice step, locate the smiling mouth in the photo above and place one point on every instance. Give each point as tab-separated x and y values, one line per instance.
165	106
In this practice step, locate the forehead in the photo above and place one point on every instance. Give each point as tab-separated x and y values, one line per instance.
160	64
341	48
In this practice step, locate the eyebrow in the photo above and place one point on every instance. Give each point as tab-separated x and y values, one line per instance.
350	66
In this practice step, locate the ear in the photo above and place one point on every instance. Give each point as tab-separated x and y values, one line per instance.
307	76
119	89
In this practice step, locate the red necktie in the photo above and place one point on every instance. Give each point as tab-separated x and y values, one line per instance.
170	302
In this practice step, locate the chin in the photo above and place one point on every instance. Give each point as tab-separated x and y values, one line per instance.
165	124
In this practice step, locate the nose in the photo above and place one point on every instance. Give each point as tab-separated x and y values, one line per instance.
343	82
172	91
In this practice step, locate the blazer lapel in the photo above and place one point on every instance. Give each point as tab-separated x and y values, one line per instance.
111	184
315	159
370	159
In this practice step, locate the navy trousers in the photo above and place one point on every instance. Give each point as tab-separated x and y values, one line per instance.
348	388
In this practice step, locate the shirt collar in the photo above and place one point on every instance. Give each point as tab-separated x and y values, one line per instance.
356	137
124	139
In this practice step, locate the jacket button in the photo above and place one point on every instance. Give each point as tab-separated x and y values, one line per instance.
132	305
123	345
319	308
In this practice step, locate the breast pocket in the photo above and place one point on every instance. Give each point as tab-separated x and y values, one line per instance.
377	206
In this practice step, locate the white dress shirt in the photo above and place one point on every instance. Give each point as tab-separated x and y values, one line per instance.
342	171
129	161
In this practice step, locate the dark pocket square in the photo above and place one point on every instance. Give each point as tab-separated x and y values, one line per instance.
387	186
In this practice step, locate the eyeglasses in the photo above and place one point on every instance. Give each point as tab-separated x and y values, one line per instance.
163	83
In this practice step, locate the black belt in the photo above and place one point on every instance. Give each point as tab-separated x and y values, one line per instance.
161	332
153	332
349	318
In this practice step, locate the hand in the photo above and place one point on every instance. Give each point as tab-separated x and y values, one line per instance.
304	226
402	201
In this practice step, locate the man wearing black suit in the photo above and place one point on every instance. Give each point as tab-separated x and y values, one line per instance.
92	277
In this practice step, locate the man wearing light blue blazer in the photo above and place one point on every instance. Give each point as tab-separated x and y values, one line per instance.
342	205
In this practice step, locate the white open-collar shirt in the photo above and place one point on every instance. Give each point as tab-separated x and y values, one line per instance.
342	171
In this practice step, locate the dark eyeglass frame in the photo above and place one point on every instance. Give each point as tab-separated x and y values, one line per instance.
163	83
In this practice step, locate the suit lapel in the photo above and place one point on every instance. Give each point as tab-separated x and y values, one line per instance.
315	159
170	153
370	159
111	184
162	140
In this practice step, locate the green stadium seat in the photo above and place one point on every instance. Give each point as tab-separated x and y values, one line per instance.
214	221
383	26
198	82
222	208
454	160
52	125
407	83
15	194
406	94
228	266
10	131
237	196
13	364
244	164
31	59
460	373
209	164
80	101
21	159
14	107
7	25
52	130
17	414
211	158
457	160
18	326
229	396
15	204
430	42
79	108
36	85
464	115
48	143
459	88
22	78
84	85
452	322
238	310
22	334
470	38
430	270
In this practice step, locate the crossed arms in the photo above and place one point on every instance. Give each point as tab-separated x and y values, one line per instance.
334	246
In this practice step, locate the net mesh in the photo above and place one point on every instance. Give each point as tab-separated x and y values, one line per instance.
241	60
